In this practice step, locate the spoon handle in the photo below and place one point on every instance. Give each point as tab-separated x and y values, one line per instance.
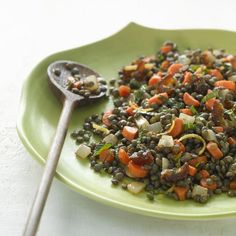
49	171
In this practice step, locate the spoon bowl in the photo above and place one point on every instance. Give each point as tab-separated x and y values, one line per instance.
58	74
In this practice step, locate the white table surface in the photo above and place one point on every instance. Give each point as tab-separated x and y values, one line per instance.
31	30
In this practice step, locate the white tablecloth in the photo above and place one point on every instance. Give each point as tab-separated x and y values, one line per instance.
31	30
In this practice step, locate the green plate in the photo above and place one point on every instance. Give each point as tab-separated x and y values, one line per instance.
40	110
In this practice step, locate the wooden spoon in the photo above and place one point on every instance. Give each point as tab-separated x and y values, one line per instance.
58	73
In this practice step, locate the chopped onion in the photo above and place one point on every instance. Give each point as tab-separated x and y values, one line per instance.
141	122
91	82
155	127
100	128
223	93
111	138
209	135
199	191
232	78
183	59
186	118
131	67
196	136
83	151
165	163
71	80
135	187
149	66
166	141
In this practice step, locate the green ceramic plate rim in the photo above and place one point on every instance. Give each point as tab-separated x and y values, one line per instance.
90	194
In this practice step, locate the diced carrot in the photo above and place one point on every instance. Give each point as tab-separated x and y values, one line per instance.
192	170
106	156
210	103
227	84
123	156
154	80
105	119
204	184
232	185
181	146
165	64
177	128
129	132
77	85
174	68
166	48
124	91
181	192
197	161
158	99
187	77
214	150
216	73
137	171
168	80
232	60
159	73
218	129
191	101
204	173
231	140
186	111
130	111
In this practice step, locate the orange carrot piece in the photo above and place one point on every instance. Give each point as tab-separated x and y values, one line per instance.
154	80
181	192
204	184
210	102
191	101
159	73
178	128
218	129
158	99
232	185
137	171
204	173
197	161
174	68
105	119
77	85
129	132
182	147
123	156
214	150
130	111
186	111
166	48
192	170
106	156
165	65
231	140
187	77
227	84
124	91
232	60
216	73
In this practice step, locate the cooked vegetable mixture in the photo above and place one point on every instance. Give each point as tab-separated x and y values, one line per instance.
173	126
77	83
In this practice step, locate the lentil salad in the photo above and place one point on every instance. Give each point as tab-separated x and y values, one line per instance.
172	128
